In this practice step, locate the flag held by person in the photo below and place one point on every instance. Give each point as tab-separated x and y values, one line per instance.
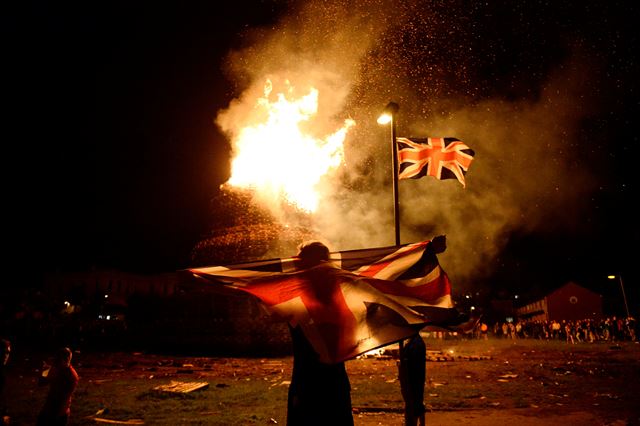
442	158
358	301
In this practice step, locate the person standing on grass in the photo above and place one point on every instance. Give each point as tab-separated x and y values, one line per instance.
319	393
63	380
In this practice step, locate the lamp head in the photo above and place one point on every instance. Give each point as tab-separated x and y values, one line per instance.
387	114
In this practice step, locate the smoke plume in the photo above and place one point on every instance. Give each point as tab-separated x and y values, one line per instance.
449	80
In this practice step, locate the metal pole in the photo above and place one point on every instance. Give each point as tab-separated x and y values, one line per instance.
409	393
624	296
396	204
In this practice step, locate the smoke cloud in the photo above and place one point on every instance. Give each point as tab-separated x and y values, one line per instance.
528	174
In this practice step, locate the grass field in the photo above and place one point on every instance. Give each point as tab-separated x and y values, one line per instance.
493	375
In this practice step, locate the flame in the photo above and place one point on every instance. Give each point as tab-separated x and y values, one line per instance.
277	159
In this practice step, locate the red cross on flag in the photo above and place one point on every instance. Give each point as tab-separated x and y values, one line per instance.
442	158
357	301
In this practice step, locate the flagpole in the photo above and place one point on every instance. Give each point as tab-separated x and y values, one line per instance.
389	116
394	152
411	418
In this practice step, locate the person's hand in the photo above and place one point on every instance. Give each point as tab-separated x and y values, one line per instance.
439	244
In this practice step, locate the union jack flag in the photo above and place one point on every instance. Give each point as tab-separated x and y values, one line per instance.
442	158
358	301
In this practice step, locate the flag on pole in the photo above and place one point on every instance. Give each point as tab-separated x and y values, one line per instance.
358	301
442	158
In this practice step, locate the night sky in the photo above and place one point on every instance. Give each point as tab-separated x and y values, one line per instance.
112	152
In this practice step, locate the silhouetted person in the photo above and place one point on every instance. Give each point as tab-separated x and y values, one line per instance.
413	352
63	380
5	351
412	371
320	393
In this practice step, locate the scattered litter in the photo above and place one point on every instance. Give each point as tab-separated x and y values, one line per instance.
181	387
508	376
273	421
384	358
474	357
119	422
606	395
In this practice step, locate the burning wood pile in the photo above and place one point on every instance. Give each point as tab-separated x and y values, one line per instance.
243	231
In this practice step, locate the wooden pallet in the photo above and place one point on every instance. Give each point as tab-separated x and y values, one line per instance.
182	387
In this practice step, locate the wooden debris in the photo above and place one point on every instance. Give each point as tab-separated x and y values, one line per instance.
119	422
182	387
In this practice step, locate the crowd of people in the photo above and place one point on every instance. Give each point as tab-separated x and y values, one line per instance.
609	329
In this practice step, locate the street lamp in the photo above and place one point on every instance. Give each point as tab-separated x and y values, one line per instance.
624	296
388	117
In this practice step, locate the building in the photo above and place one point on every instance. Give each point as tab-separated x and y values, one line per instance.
569	302
168	310
115	285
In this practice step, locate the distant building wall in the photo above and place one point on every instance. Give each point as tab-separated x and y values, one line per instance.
116	285
573	302
536	311
171	310
569	302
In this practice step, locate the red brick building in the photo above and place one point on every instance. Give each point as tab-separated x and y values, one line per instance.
569	302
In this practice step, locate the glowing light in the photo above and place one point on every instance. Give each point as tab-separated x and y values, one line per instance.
387	114
384	119
278	159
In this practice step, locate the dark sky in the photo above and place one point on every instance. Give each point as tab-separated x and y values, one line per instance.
112	155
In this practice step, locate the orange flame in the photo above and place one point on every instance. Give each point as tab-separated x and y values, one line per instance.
275	156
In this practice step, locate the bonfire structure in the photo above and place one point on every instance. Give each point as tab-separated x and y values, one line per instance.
242	231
